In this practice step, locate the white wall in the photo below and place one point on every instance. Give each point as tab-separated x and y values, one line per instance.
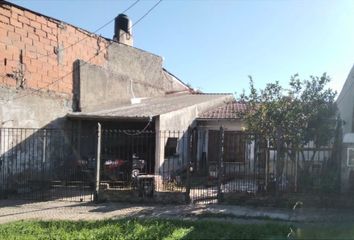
345	102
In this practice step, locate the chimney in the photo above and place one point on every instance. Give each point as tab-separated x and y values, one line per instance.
123	30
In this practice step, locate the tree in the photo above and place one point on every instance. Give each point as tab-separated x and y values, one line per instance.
289	119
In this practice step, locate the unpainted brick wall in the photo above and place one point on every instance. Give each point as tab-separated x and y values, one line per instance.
39	38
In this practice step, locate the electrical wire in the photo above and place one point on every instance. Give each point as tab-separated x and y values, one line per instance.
86	62
139	131
82	39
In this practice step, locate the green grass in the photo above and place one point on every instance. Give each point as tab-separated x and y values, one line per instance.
333	231
140	229
167	229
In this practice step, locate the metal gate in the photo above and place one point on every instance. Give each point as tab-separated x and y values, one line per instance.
129	157
204	177
125	156
229	165
238	162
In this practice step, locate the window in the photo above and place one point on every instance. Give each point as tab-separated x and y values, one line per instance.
350	157
171	147
234	147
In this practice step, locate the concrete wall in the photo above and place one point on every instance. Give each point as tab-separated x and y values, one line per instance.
345	102
180	121
27	110
130	72
227	125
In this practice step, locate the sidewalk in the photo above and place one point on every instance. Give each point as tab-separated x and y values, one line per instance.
59	210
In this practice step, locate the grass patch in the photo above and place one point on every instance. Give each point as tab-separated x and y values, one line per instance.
333	231
167	229
140	229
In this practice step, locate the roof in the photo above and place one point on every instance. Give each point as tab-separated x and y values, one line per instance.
150	107
228	110
174	77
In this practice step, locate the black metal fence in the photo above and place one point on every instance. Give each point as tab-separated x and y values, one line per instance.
43	164
126	155
249	164
201	164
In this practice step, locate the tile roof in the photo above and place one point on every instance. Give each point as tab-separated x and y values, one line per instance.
228	110
151	107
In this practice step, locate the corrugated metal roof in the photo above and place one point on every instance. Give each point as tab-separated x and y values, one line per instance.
150	107
229	110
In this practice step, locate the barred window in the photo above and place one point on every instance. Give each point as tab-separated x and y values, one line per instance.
234	147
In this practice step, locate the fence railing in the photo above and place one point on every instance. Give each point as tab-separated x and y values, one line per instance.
44	164
202	164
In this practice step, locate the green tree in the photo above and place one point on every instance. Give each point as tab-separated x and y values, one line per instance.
291	118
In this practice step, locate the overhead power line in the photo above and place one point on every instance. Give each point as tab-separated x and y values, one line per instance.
86	62
84	38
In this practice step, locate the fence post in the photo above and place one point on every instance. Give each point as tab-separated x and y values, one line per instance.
44	147
98	162
220	164
296	163
188	178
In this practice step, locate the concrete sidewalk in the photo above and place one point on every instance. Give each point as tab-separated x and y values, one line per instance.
60	210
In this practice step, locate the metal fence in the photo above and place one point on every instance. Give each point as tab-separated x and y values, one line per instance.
126	155
203	165
43	164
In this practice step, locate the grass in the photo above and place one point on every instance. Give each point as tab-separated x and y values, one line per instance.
140	229
166	229
333	231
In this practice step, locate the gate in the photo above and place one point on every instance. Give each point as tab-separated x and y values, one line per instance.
232	163
172	163
46	164
126	155
239	164
204	175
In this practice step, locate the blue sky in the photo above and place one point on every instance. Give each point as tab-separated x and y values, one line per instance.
215	45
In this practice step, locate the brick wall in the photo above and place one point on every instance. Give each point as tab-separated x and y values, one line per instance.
38	41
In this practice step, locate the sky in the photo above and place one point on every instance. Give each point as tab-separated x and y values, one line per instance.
215	45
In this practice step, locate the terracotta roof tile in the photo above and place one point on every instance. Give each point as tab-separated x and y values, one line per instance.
227	111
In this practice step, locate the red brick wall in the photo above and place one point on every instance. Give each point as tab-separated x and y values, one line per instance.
38	36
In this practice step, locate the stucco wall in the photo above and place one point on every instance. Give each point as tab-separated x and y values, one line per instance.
129	73
345	103
32	110
180	121
227	125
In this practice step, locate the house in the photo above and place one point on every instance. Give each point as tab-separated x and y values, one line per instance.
242	170
248	163
56	75
345	104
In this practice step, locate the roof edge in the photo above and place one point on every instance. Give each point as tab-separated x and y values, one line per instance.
98	117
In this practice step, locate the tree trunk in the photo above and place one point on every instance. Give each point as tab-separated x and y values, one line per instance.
279	161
